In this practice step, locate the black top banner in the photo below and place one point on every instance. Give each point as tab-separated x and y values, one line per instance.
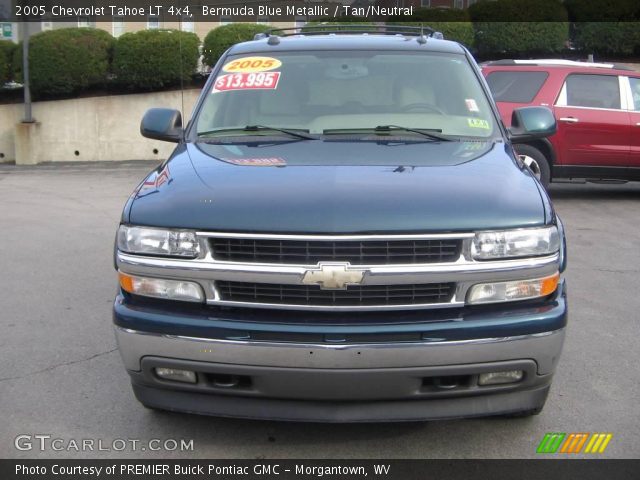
201	10
224	11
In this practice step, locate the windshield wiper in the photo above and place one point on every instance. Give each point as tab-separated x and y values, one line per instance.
431	133
427	132
258	128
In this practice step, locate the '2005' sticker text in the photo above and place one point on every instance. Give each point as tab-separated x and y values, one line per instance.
252	65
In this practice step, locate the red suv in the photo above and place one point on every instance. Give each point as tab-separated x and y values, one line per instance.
597	108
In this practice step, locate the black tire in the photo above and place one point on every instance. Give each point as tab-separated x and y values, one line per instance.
536	161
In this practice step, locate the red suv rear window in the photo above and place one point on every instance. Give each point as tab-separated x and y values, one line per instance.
516	87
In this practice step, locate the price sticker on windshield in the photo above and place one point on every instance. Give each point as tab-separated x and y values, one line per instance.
247	81
252	65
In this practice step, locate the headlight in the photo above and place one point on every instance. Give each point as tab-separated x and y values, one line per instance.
157	241
513	291
162	288
529	242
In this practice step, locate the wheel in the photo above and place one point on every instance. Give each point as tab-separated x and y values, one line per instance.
536	161
422	106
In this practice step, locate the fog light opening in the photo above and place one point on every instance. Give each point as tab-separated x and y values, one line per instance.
446	382
176	375
225	381
500	378
221	380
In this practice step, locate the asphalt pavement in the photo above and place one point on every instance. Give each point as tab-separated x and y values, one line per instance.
61	375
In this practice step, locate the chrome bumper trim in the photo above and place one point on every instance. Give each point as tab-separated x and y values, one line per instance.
374	237
285	306
375	275
463	273
544	348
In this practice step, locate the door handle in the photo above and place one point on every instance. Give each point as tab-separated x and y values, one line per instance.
569	119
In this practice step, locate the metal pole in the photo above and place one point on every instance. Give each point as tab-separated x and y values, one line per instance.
28	118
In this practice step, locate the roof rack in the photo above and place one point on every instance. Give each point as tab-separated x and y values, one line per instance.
556	62
350	29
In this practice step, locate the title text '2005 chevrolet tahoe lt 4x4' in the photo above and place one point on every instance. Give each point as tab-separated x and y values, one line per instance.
343	233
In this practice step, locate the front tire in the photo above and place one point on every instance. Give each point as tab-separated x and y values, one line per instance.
536	161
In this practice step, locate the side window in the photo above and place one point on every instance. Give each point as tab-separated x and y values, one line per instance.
635	92
594	91
516	87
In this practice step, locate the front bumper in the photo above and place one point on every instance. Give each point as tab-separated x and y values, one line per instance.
355	382
355	369
341	412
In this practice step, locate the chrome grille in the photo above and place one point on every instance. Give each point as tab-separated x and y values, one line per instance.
353	296
310	252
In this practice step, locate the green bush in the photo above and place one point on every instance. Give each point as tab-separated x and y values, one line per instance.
520	38
433	15
155	59
457	31
65	61
6	58
453	24
519	27
608	38
609	27
518	11
603	10
220	39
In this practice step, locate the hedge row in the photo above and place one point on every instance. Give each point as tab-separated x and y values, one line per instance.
520	38
65	61
603	10
220	39
6	55
608	27
518	11
155	59
477	29
453	24
607	38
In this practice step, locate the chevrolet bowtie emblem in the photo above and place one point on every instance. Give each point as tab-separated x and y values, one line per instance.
333	276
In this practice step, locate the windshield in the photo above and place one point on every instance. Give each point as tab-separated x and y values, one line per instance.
324	93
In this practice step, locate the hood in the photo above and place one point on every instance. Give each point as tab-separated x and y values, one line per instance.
340	187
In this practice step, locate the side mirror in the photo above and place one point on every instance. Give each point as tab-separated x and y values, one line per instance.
531	123
162	124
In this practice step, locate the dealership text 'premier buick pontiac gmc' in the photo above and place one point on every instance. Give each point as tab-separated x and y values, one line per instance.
343	233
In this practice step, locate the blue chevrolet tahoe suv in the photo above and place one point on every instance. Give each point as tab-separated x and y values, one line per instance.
343	233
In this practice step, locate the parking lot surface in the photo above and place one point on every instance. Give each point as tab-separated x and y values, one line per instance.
61	375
